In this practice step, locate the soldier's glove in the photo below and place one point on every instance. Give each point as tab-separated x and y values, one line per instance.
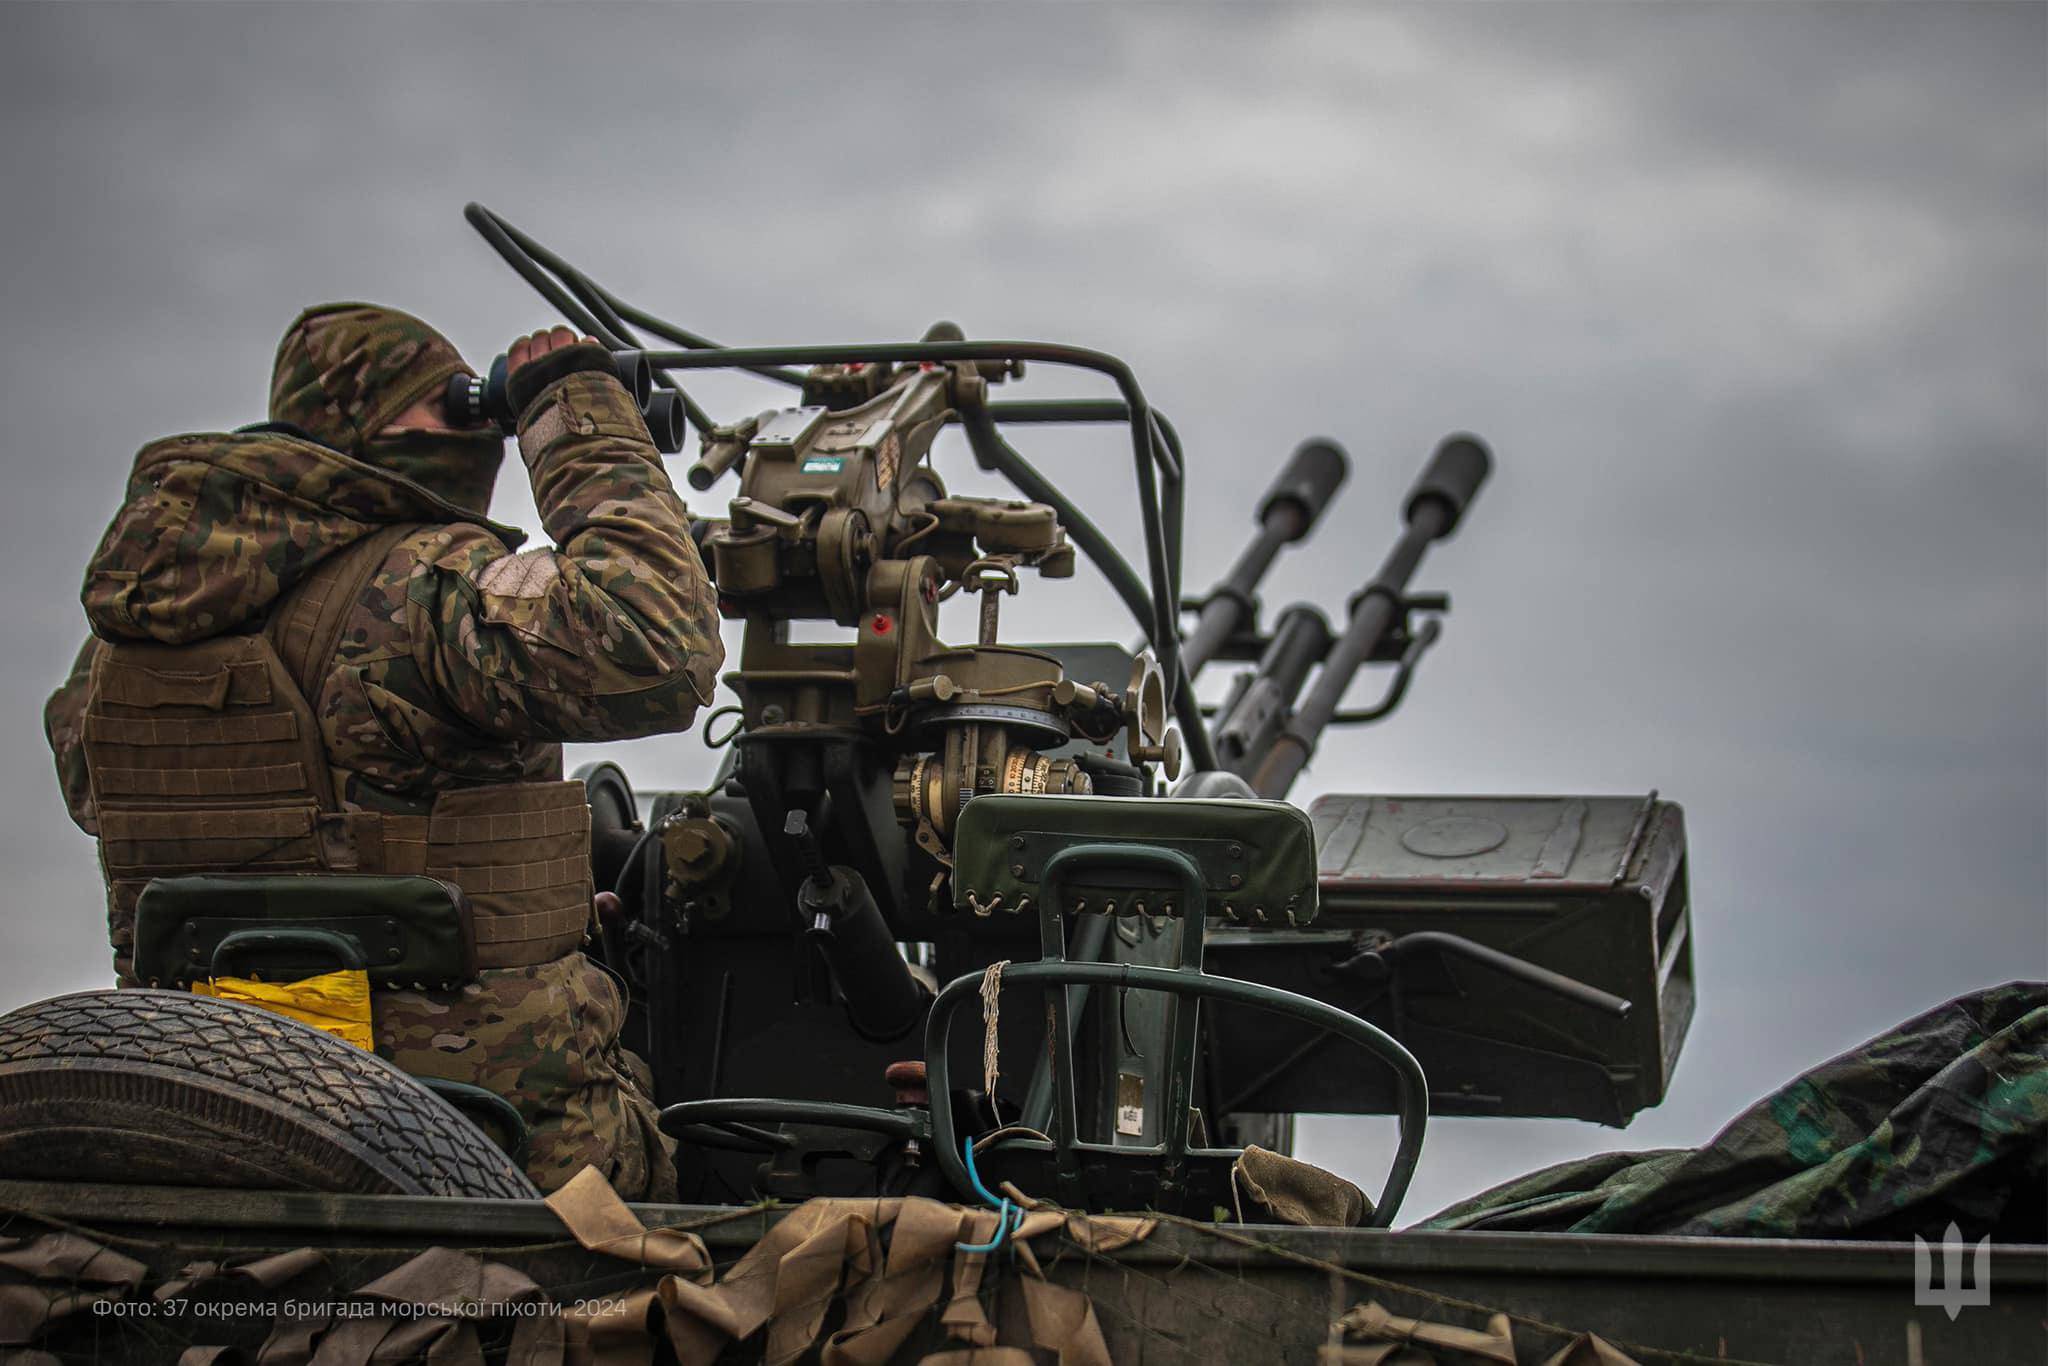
529	381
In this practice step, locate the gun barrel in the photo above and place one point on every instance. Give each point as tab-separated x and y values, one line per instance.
1256	711
1432	509
1289	510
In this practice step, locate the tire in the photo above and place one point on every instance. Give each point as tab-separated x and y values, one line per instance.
167	1088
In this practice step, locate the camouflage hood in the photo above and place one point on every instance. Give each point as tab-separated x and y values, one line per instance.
214	528
344	372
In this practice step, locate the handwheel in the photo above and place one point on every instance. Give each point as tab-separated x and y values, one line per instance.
736	1122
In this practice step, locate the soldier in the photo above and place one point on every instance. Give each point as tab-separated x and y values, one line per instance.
332	571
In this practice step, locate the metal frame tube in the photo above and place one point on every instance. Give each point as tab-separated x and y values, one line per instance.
1154	448
604	307
994	453
1412	1091
1156	445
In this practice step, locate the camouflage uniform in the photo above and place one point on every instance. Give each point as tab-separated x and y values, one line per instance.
461	664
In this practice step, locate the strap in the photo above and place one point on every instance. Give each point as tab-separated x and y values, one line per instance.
306	629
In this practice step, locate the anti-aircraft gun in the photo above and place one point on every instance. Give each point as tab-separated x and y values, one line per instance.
893	814
1167	958
896	814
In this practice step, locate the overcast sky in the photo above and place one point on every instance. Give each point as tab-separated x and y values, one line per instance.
1751	301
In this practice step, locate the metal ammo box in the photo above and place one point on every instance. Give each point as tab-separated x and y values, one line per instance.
1533	952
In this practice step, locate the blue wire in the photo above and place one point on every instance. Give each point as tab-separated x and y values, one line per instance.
1004	1209
1004	1228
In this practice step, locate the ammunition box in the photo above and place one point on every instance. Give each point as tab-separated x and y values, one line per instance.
1589	888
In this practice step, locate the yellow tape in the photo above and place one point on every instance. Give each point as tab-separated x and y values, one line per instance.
338	1002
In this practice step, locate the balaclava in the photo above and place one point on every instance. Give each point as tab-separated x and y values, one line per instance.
345	371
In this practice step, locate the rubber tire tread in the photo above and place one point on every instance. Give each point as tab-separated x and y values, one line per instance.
273	1093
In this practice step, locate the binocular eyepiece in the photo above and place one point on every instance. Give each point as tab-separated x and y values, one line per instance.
473	399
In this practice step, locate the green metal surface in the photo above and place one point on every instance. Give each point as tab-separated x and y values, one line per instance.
407	930
1256	859
1593	889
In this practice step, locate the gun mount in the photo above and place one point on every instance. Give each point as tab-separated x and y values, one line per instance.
900	830
785	929
899	824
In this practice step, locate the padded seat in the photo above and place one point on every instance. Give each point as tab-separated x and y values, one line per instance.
1255	861
407	931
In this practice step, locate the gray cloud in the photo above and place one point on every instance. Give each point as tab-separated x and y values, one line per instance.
1749	300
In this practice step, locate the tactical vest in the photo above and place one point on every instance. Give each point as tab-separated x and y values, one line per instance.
207	758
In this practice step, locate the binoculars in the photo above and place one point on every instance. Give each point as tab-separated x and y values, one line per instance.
479	398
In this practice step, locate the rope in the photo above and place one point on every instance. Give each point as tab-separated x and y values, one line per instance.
991	1012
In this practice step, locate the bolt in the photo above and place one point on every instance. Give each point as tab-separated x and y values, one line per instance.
394	953
1235	882
771	715
1237	851
1016	841
1016	870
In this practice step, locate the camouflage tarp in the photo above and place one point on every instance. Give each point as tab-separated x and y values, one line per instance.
1943	1118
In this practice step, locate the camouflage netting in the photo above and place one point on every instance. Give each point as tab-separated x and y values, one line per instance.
1943	1118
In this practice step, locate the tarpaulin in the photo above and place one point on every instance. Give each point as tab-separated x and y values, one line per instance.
824	1251
1942	1119
45	1279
